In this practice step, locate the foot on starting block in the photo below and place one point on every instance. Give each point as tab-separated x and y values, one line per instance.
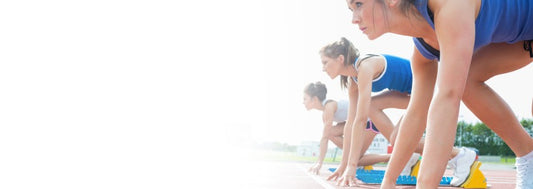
476	179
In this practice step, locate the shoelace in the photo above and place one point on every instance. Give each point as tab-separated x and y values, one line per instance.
522	170
452	164
408	168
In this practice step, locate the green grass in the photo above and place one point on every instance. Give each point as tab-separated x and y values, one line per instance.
271	155
288	156
507	160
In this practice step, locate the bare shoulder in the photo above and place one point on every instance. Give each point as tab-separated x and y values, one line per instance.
373	58
330	106
372	65
437	5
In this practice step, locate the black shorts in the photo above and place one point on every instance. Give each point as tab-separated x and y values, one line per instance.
527	47
370	126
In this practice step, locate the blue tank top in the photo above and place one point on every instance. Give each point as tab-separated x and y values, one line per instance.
396	76
498	21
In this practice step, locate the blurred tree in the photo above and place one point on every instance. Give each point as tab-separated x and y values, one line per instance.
479	136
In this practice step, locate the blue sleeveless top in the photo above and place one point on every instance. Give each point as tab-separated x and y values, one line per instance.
396	76
498	21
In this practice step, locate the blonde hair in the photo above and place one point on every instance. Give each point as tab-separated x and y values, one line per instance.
407	7
342	47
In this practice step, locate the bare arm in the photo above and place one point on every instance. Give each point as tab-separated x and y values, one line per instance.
456	45
353	96
455	30
413	123
352	93
327	119
367	70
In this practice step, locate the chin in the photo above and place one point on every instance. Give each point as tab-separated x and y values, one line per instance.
372	37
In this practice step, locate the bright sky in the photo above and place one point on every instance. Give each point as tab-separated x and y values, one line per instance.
126	94
291	33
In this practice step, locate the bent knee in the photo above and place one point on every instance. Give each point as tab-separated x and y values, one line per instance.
392	137
472	88
330	135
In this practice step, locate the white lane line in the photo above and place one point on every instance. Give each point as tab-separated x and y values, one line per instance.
510	182
318	180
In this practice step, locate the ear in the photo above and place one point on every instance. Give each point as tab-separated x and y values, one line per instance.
316	98
340	58
393	3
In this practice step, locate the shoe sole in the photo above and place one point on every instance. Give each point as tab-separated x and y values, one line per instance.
475	165
414	165
472	168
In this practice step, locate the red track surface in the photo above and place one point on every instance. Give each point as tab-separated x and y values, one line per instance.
279	174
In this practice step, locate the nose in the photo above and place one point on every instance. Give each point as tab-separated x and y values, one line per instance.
355	19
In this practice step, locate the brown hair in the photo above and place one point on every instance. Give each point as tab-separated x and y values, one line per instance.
317	89
342	47
407	7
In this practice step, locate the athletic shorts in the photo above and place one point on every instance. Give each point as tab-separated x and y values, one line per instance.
370	126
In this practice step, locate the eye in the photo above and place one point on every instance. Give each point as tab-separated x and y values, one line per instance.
358	4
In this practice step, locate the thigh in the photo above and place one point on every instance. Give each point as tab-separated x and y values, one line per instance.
390	99
367	140
338	129
496	59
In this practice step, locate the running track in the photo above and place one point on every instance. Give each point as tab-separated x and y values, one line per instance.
284	174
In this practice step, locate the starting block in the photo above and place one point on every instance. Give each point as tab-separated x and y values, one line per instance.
476	179
376	177
368	167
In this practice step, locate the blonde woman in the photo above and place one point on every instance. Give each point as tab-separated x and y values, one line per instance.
458	46
389	75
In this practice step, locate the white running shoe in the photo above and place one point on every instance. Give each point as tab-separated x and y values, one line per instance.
452	163
524	172
408	168
462	165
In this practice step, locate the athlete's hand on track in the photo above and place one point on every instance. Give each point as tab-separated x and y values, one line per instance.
315	169
336	174
348	178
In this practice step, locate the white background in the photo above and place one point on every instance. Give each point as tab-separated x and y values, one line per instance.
148	94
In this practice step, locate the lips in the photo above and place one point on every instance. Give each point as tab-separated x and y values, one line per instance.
362	29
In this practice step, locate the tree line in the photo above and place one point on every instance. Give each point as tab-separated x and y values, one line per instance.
479	136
